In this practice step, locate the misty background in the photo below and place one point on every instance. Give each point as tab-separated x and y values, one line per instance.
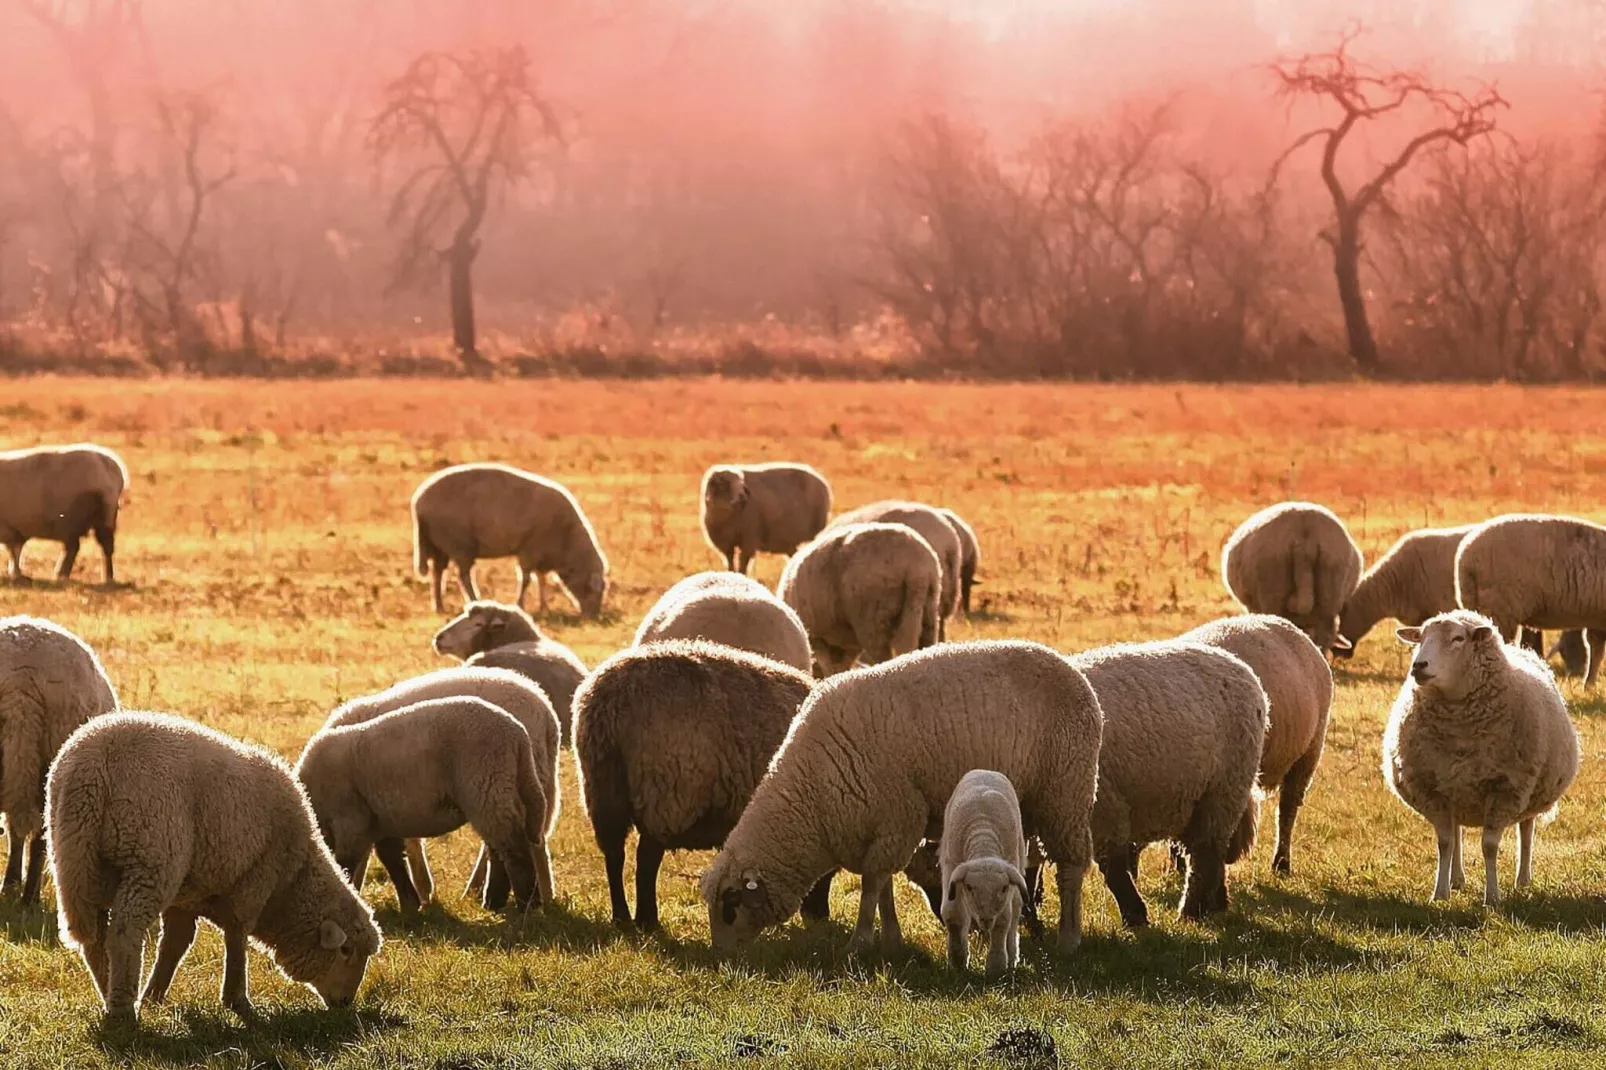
1068	188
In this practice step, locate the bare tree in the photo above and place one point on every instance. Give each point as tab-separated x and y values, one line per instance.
1364	96
469	127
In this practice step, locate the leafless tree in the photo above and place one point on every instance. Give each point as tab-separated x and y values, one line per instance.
467	127
1364	96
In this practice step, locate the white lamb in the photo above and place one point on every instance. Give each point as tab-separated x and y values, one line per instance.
983	856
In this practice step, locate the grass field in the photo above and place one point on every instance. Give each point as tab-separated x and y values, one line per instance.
268	546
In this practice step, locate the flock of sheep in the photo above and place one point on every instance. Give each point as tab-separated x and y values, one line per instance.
737	721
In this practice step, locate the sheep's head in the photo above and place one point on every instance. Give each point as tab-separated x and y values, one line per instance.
725	487
981	891
741	904
484	626
1326	635
588	591
1449	649
330	941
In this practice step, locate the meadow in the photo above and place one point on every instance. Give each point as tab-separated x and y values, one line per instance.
267	546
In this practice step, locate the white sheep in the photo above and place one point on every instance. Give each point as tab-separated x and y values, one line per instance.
770	508
870	589
670	739
969	556
1184	725
61	493
50	683
473	511
502	688
155	817
426	770
1479	736
730	609
1299	688
1413	581
871	762
1295	560
932	525
983	854
494	635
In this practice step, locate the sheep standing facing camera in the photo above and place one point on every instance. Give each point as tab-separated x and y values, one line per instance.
749	509
494	635
983	858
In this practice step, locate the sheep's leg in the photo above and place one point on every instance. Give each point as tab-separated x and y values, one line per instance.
1290	797
540	592
869	898
520	865
649	856
497	887
541	856
998	945
465	579
15	570
354	861
236	989
1525	853
613	860
16	844
178	935
1532	639
69	557
95	959
891	932
1205	891
1491	866
1458	873
817	904
524	583
1446	835
1118	879
106	536
393	856
1012	933
1030	911
36	870
418	869
1068	878
133	908
478	875
959	945
1595	641
744	558
437	574
730	559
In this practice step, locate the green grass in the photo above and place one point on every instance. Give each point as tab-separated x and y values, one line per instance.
268	545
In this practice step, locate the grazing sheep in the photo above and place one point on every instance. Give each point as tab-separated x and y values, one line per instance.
494	635
1415	580
152	817
50	683
473	511
983	852
1184	725
670	739
507	691
869	589
872	760
61	493
933	526
762	508
1297	561
969	556
1480	736
730	609
1299	688
1574	651
426	770
1537	570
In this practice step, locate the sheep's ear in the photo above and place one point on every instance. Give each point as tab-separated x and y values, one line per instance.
1018	879
953	890
1409	636
1481	632
752	890
331	935
1343	645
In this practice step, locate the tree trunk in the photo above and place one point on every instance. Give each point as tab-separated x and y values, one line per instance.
460	268
1347	267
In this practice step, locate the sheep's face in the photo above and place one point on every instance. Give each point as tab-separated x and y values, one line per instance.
725	488
480	627
1446	648
592	589
1325	634
739	907
981	892
335	968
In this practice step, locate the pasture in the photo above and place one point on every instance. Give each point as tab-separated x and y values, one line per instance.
268	549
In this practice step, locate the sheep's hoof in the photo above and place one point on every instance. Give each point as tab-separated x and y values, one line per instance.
241	1006
1282	866
121	1017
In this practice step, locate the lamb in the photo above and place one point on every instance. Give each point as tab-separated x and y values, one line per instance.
983	852
507	691
869	589
61	493
470	511
426	770
1299	688
731	609
671	739
50	683
154	816
969	556
1537	570
930	524
870	764
1295	560
494	635
770	508
1184	725
1479	735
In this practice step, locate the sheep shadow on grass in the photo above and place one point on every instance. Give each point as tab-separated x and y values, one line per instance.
1464	911
26	925
272	1038
554	926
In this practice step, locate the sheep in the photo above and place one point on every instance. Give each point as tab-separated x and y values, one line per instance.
771	508
1479	735
1184	726
1299	688
983	852
1574	651
426	770
50	683
731	609
930	524
494	635
503	689
61	493
969	556
670	739
152	816
1537	570
869	589
870	764
470	511
1415	580
1297	561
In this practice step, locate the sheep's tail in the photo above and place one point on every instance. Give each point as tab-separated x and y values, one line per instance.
915	628
604	779
931	628
1302	600
1243	837
424	551
75	851
533	796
